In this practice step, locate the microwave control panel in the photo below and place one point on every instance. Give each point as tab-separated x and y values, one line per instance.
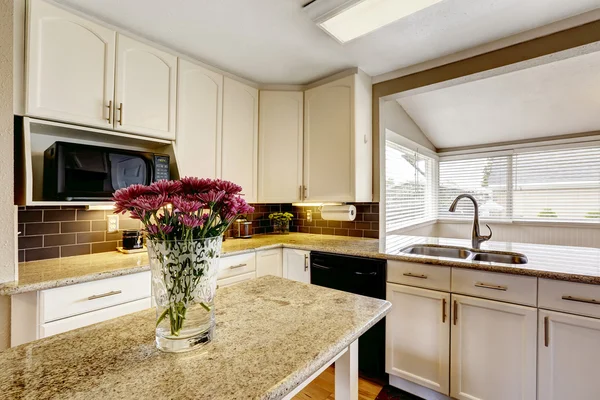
161	168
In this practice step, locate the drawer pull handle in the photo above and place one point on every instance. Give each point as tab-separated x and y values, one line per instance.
489	286
455	312
238	266
581	300
410	274
99	296
306	262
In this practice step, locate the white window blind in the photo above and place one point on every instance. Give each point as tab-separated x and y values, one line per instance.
557	185
487	179
411	183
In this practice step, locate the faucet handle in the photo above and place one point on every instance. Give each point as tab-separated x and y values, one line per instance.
488	237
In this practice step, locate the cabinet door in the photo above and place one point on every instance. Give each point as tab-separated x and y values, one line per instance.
70	67
568	354
199	120
418	336
328	141
280	147
145	100
493	352
296	265
239	152
269	262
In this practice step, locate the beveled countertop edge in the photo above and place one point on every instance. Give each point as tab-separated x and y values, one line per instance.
285	387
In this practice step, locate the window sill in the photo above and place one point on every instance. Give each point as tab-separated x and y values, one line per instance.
522	222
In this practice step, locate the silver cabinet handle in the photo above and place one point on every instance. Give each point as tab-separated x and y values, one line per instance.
582	300
490	286
120	113
410	274
305	193
546	331
443	311
306	262
110	111
99	296
238	266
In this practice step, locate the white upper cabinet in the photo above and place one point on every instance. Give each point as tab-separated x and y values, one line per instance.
568	357
493	352
145	94
280	147
70	67
337	140
199	120
418	336
239	151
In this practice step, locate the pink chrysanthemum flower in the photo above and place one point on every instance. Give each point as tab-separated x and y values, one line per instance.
186	205
227	186
124	197
154	229
191	221
192	185
150	202
212	196
167	188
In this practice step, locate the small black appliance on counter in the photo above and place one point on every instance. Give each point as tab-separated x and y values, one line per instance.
83	172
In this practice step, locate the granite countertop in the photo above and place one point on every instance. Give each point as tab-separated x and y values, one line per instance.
576	264
271	335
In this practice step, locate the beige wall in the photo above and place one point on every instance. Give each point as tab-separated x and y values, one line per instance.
7	209
398	121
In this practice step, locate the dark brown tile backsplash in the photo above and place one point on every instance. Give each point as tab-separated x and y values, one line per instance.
53	232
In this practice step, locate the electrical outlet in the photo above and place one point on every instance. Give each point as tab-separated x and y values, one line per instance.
308	216
112	223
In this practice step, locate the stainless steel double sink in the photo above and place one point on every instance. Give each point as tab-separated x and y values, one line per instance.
463	253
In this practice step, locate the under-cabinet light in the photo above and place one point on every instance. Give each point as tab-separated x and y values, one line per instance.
316	204
362	17
100	207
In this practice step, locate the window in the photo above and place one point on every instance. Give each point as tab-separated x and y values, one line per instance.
525	185
485	178
557	185
411	182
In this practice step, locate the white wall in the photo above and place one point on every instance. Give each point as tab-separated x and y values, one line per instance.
398	121
8	255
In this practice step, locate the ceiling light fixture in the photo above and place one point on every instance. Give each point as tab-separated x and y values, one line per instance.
346	20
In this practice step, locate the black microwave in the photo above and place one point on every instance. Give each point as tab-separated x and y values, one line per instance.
80	172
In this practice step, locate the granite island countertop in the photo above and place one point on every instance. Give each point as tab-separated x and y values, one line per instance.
271	335
576	264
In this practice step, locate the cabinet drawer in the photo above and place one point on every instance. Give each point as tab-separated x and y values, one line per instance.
235	279
236	265
571	297
421	275
90	296
492	285
79	321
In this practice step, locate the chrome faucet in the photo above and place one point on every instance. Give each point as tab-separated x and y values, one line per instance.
476	237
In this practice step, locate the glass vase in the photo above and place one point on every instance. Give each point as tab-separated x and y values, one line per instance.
184	282
282	228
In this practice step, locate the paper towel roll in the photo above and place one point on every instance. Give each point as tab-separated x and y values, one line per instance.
338	213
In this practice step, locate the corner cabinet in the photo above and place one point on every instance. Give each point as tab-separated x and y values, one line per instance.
269	262
296	265
418	336
199	120
239	145
70	67
280	147
337	140
493	350
145	89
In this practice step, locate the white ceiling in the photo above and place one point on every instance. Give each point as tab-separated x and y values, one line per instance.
273	41
558	98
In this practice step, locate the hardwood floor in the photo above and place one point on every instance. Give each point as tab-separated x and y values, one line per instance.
322	388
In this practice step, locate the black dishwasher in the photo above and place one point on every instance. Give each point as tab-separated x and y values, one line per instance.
362	276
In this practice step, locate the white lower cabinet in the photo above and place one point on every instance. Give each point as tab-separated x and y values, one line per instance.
269	262
418	336
493	350
568	354
296	265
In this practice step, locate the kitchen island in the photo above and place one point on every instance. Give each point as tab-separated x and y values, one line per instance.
273	337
